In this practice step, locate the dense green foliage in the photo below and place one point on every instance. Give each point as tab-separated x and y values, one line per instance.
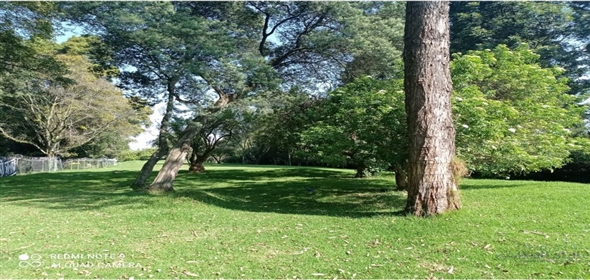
376	38
361	124
511	114
53	99
557	31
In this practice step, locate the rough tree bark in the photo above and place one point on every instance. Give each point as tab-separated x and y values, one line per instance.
163	182
427	84
162	149
147	168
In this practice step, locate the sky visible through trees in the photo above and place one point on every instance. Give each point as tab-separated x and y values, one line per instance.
277	69
147	137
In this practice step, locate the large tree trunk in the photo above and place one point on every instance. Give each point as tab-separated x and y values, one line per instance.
431	186
162	149
174	161
361	171
197	161
197	166
147	169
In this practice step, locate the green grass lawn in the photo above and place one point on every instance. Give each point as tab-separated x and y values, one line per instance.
278	222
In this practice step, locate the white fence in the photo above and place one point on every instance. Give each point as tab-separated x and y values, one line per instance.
24	165
7	167
87	163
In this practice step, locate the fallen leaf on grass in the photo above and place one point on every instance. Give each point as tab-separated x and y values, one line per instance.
535	232
24	247
305	249
190	273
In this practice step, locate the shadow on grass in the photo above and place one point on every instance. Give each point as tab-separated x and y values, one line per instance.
235	174
296	191
306	191
72	190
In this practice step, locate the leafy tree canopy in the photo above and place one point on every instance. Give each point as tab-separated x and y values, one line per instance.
511	114
557	31
57	117
361	123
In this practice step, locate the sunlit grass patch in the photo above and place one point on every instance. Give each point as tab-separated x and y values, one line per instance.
277	222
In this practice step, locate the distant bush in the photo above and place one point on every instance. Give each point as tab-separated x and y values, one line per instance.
130	155
576	170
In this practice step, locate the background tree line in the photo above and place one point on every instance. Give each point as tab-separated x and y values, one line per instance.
55	101
297	83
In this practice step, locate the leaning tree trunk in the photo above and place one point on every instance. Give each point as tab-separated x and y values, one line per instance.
174	161
147	168
162	149
427	84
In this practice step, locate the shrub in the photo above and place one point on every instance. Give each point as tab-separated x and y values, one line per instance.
130	155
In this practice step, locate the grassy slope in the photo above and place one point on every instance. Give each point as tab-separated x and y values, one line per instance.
270	222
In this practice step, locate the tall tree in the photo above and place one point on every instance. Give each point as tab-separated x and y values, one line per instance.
240	47
512	115
165	52
310	50
557	31
431	185
57	117
375	32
